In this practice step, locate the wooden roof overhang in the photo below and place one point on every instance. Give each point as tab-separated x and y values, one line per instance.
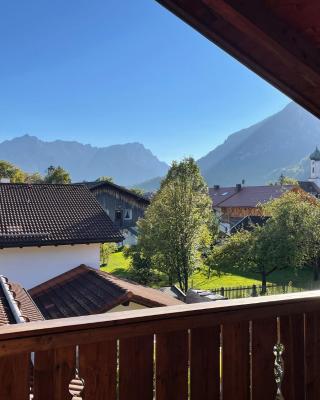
277	39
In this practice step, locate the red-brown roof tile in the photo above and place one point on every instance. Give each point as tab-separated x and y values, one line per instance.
247	196
84	291
28	308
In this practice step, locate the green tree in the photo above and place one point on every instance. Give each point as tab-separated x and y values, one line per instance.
106	249
296	216
137	191
178	223
105	179
10	171
140	265
289	239
34	178
57	175
285	180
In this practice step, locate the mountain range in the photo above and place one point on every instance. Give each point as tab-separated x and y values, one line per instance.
280	144
260	153
127	163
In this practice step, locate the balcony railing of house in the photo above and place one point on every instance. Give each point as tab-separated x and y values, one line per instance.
222	350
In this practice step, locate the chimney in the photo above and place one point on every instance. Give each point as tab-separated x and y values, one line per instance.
4	180
238	187
216	187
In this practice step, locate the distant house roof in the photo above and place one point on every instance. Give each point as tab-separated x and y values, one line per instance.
41	214
84	291
310	187
12	294
174	292
248	223
220	194
106	184
246	196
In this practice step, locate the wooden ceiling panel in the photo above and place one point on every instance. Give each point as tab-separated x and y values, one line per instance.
278	39
303	15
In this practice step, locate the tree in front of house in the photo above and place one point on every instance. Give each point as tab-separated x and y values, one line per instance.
289	239
296	216
57	175
178	224
141	267
11	172
106	249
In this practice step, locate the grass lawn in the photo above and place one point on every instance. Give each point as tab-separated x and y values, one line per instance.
119	266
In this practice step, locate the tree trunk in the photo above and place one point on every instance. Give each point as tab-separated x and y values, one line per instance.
186	284
263	282
316	269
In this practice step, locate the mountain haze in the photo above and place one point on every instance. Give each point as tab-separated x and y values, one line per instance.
125	163
260	153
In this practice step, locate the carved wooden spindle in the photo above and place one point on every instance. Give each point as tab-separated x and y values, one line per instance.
278	368
76	386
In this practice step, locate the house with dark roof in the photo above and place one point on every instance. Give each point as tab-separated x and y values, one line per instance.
46	229
86	291
232	204
123	206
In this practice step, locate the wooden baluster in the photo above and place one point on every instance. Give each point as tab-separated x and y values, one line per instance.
172	365
264	337
44	375
53	372
292	337
98	369
136	368
205	356
312	343
15	377
235	361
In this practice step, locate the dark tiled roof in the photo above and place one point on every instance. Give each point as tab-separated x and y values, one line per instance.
309	187
39	215
247	196
218	195
105	184
248	223
24	302
84	291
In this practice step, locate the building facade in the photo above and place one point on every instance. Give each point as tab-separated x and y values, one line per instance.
123	207
46	230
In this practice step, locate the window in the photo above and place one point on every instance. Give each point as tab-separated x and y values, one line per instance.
118	215
128	214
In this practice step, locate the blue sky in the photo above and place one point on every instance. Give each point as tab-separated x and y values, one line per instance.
110	71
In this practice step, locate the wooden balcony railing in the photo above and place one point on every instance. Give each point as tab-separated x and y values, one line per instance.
220	350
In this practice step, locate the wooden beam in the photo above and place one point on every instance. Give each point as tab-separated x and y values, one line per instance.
46	335
257	38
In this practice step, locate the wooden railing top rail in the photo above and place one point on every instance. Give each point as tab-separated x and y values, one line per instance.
45	335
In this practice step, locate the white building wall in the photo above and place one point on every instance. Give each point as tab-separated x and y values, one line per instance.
315	172
31	266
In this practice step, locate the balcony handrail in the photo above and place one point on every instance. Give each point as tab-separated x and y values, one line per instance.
46	335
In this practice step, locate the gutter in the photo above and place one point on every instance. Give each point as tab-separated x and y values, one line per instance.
13	303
